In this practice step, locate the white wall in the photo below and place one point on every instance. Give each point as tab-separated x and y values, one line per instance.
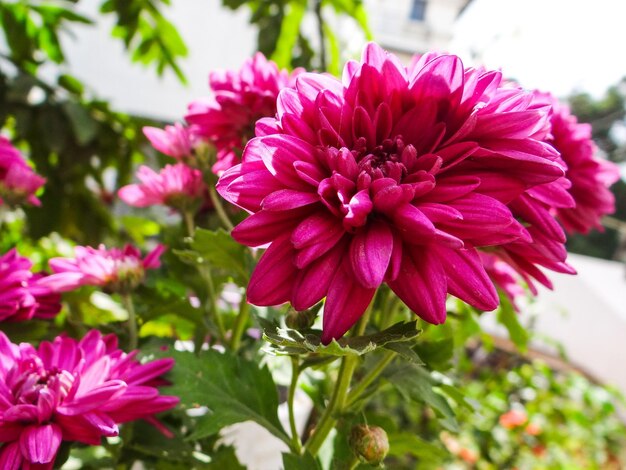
216	38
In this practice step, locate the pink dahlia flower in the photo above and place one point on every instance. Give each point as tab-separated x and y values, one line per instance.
18	181
590	176
175	141
177	186
116	270
70	390
503	276
22	296
239	99
391	175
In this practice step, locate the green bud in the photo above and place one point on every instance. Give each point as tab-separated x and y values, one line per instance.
300	320
369	443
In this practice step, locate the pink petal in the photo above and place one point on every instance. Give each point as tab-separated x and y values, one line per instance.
272	280
422	284
467	278
370	253
11	456
40	443
345	303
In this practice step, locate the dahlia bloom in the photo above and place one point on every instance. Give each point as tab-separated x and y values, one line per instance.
590	176
503	276
177	186
115	269
69	390
239	99
392	175
22	296
174	141
18	181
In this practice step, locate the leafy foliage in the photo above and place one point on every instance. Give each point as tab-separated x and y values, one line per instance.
289	341
233	389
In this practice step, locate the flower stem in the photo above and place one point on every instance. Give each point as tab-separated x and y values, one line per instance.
295	373
240	324
337	401
189	223
212	303
372	375
219	208
127	301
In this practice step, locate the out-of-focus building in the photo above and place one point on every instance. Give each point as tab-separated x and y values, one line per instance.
407	27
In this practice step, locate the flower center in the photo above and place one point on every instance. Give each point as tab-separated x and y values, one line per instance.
390	159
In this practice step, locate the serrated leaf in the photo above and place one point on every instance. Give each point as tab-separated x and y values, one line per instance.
437	354
287	341
415	383
232	388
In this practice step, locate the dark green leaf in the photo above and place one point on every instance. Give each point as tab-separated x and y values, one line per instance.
287	341
84	126
415	383
234	390
300	462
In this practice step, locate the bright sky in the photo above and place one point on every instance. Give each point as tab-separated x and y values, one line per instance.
555	45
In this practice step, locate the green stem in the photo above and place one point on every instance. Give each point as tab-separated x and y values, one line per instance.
189	223
366	381
295	373
212	303
219	208
337	401
127	301
240	324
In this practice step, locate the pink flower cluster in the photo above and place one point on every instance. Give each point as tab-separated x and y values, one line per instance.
589	175
228	118
22	293
18	182
114	269
69	390
225	122
398	175
177	186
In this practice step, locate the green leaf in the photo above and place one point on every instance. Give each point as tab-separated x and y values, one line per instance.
289	31
415	383
71	84
300	462
234	390
287	341
84	126
508	318
225	459
217	249
437	354
401	444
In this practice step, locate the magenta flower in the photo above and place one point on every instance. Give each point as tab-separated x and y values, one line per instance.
393	175
590	176
22	296
503	276
239	99
177	186
175	141
69	390
116	270
18	181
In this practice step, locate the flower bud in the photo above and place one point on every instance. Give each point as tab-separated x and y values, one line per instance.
300	320
369	443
